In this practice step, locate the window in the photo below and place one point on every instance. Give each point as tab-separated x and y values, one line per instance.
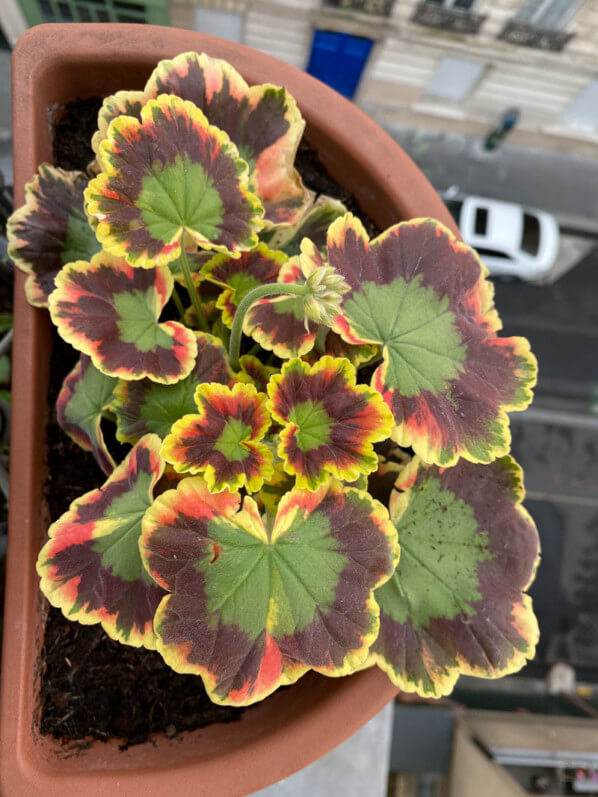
464	5
454	79
150	11
549	14
530	238
541	24
583	111
453	15
381	8
214	22
481	221
492	253
454	208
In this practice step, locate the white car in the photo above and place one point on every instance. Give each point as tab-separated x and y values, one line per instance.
511	240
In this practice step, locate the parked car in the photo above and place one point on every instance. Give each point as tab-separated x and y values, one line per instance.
512	240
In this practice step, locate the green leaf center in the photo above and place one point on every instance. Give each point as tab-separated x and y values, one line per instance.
80	242
230	442
120	548
138	322
442	547
161	406
241	283
314	424
424	347
255	584
180	195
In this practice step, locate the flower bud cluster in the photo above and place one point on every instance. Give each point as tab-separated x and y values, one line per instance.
325	289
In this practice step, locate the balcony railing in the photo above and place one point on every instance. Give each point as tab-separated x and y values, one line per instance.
458	20
381	8
526	35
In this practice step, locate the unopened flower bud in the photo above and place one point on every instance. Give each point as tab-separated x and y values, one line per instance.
325	288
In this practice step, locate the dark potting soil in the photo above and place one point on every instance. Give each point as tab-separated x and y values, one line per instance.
74	125
316	178
93	687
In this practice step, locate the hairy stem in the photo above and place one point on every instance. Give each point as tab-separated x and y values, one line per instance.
271	289
191	290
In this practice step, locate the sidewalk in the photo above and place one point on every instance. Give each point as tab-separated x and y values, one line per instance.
564	185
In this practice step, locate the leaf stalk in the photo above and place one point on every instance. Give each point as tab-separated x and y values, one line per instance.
254	295
192	291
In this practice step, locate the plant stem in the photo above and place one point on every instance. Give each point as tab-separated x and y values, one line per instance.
179	305
191	290
254	349
271	289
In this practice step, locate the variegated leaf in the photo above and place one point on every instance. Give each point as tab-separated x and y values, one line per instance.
253	608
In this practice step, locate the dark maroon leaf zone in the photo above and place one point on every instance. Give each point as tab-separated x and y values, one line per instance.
240	658
197	446
335	346
133	603
483	642
252	129
41	235
259	267
280	322
408	251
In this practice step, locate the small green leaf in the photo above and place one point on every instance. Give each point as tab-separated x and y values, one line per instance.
85	394
144	406
109	311
329	423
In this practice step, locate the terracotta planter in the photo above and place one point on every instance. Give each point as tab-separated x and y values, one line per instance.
53	64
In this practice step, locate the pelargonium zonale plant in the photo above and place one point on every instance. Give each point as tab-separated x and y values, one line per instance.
316	470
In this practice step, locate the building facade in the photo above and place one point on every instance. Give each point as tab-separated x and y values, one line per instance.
452	65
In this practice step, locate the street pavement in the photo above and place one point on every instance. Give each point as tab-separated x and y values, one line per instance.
558	183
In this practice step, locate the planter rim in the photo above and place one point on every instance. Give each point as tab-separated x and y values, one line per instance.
320	713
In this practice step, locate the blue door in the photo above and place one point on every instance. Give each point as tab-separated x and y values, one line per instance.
338	59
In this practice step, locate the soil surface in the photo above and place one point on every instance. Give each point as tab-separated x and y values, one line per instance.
316	178
74	125
93	687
